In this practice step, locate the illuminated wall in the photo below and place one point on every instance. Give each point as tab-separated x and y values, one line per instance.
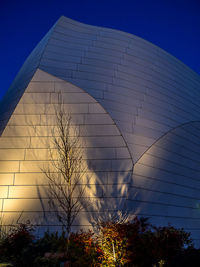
25	142
136	107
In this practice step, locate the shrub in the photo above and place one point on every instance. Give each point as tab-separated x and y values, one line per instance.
84	249
114	244
51	242
141	244
15	246
168	242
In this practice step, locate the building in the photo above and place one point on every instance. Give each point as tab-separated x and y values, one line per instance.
137	109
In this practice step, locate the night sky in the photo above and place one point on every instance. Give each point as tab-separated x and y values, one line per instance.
171	24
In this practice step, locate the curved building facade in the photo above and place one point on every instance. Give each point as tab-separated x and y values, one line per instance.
137	109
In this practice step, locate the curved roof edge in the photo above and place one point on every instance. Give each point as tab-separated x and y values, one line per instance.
127	34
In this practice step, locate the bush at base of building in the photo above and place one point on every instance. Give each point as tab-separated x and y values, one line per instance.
21	249
85	249
141	244
136	243
16	245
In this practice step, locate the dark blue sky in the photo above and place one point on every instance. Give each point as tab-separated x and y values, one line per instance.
173	25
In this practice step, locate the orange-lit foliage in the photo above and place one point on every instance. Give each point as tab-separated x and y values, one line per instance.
140	244
84	249
117	240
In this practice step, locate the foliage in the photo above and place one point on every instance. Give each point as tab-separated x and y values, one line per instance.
51	242
84	249
114	243
15	246
167	242
125	244
135	243
118	240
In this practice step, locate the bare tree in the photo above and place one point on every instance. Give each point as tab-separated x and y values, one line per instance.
66	172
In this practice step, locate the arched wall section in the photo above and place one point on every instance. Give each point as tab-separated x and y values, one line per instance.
167	180
24	151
